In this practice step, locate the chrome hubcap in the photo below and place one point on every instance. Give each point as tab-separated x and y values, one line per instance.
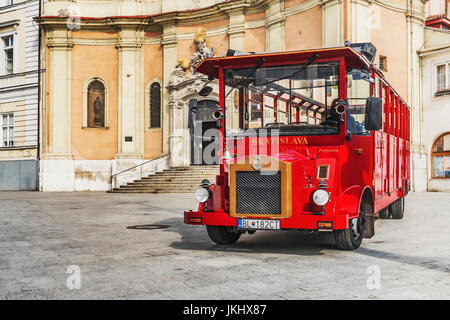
355	229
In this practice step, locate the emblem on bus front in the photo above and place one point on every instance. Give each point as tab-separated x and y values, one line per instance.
257	163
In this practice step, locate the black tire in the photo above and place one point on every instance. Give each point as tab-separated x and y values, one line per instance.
223	235
351	238
384	214
398	208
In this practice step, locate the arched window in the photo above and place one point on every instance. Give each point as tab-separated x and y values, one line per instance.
155	105
96	105
440	157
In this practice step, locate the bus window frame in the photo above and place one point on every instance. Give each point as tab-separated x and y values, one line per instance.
342	90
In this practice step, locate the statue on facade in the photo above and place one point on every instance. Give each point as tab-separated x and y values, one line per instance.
202	50
185	68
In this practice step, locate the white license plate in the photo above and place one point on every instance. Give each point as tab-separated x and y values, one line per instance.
258	224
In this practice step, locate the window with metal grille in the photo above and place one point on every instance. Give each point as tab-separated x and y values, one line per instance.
7	130
155	105
8	47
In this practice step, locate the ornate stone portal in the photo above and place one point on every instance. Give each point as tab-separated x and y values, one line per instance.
184	85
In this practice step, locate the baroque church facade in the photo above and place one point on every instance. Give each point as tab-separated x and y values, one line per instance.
118	76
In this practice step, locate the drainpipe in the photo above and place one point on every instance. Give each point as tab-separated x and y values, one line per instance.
38	156
39	87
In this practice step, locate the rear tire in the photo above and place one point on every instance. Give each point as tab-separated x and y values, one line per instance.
351	238
384	214
398	208
223	235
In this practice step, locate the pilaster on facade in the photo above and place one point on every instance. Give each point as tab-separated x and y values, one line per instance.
415	21
131	96
361	23
170	54
59	41
332	23
274	22
236	29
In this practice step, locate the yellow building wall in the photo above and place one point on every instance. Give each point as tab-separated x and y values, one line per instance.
153	66
391	39
255	40
94	61
304	30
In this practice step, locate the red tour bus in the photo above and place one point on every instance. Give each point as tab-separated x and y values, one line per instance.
313	140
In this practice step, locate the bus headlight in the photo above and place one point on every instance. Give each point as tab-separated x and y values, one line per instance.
321	197
202	195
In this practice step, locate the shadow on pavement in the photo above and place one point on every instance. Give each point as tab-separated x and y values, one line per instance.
424	262
286	242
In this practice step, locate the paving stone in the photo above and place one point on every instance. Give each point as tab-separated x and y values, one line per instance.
43	234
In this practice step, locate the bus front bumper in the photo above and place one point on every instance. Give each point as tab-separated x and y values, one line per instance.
299	221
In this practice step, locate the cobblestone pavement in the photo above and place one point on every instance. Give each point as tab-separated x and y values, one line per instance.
43	234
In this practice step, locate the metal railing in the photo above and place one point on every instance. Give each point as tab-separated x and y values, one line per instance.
114	176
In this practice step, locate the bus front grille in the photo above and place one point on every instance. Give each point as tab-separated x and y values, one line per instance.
258	193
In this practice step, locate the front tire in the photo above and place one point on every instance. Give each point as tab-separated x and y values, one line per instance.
223	235
351	238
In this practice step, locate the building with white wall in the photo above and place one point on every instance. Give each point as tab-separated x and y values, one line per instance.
19	44
432	169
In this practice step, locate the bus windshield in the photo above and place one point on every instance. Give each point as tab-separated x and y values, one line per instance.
294	99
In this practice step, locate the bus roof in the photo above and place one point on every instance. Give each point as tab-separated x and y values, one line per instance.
210	66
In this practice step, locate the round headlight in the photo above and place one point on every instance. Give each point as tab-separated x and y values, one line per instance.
202	195
321	197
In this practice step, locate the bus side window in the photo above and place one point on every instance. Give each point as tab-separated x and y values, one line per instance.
383	96
377	87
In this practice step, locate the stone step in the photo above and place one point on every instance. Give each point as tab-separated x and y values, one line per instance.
173	180
189	171
176	181
162	185
142	190
188	176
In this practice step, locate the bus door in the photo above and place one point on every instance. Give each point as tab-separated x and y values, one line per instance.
380	146
392	144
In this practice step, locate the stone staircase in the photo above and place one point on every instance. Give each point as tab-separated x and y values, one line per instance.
173	180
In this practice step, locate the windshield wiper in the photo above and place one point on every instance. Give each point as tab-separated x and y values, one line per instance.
310	61
252	71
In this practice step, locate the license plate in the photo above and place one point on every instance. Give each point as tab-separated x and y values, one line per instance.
257	224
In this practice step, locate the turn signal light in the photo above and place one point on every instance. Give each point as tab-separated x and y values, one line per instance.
325	225
195	220
359	151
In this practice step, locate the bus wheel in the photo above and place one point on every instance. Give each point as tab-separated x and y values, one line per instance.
384	214
398	208
223	235
351	238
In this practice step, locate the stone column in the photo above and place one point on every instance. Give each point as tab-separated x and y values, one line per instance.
274	22
178	131
59	42
131	96
361	21
56	166
332	23
236	29
170	52
415	21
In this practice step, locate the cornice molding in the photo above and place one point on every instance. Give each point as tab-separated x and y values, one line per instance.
221	11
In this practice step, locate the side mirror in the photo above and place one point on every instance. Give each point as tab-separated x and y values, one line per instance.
374	113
